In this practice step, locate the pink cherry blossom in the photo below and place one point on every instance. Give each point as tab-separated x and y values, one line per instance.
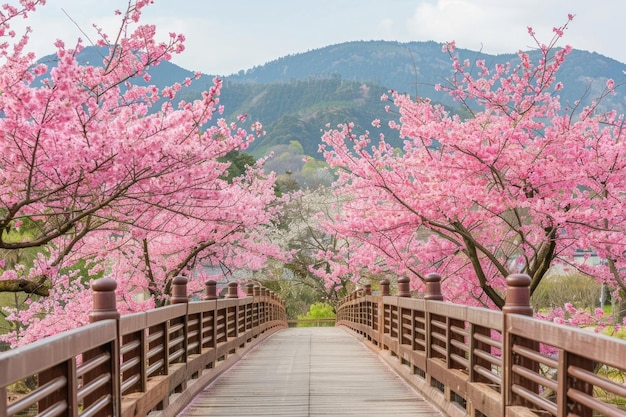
518	185
117	183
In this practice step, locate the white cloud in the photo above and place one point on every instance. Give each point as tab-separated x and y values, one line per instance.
493	26
225	37
386	26
501	26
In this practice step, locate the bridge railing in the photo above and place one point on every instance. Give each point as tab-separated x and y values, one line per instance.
138	363
479	362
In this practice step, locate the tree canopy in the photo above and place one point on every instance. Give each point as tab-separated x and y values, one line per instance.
517	185
102	172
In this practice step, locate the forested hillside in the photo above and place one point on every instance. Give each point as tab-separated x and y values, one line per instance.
415	67
295	96
298	109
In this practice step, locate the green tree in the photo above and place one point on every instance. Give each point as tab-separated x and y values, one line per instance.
239	161
298	296
317	311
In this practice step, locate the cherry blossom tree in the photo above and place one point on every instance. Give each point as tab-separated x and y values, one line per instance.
516	184
303	236
113	176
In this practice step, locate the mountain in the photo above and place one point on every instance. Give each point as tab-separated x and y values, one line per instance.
415	68
295	96
299	109
161	75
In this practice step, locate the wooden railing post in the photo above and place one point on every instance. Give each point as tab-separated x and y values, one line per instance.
249	289
403	287
210	290
232	290
232	328
257	305
433	287
264	307
104	308
210	293
104	300
384	287
382	312
249	309
179	290
369	311
517	301
179	296
271	305
453	339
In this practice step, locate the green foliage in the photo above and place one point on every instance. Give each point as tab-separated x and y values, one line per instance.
312	165
297	297
616	376
610	331
27	230
316	311
319	311
286	183
297	110
238	163
81	271
296	147
558	289
11	300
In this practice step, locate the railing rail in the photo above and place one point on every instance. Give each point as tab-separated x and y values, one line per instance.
479	362
138	363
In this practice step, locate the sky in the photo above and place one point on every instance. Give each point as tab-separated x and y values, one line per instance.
226	36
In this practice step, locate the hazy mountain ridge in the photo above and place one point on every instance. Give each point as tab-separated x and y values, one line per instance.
415	67
295	96
412	68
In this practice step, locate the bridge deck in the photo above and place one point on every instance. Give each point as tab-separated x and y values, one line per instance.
310	372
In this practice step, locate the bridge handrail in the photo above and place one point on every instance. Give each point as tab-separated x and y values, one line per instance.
138	363
480	362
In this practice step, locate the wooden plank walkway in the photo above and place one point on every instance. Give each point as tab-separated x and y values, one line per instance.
310	372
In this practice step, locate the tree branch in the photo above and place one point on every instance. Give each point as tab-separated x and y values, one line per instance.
37	286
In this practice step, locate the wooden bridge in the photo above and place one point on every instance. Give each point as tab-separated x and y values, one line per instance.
388	355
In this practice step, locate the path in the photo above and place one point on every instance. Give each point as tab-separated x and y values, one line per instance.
310	372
